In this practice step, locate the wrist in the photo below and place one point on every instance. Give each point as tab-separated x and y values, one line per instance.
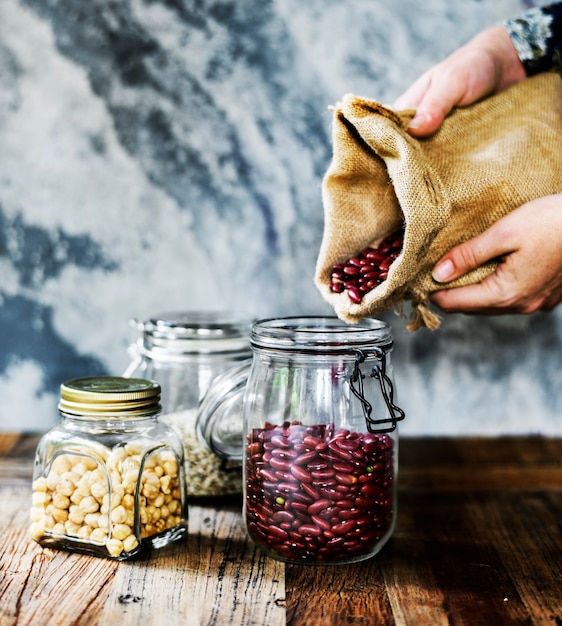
499	45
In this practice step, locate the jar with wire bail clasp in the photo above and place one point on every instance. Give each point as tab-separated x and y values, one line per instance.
185	352
109	478
319	440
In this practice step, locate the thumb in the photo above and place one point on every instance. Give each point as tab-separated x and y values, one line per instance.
468	256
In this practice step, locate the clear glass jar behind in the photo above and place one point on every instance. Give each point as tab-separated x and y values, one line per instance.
185	352
321	440
109	478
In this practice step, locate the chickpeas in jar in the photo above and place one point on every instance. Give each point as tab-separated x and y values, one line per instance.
109	479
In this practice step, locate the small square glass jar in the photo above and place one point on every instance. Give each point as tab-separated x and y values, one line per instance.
109	478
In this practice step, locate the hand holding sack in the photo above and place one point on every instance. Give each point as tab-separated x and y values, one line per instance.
484	161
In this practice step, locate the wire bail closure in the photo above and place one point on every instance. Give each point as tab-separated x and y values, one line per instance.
383	425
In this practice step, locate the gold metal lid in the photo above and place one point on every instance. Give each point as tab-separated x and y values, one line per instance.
109	396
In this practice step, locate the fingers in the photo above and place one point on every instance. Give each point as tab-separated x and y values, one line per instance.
431	102
529	276
471	254
490	294
486	64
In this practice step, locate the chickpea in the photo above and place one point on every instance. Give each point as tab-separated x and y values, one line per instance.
37	530
130	543
65	487
84	532
88	504
52	480
128	501
61	501
98	535
92	519
40	484
60	515
61	464
75	514
99	489
36	514
40	498
76	497
119	514
114	547
120	531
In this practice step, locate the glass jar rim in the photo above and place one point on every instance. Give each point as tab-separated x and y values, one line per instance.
323	334
182	334
196	325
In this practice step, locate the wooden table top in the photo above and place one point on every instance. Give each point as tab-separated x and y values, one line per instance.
478	541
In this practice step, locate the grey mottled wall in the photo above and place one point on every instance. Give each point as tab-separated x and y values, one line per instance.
166	154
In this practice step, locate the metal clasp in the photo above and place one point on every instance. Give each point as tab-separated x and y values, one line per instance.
383	425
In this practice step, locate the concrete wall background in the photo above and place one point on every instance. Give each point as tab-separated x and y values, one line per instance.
159	155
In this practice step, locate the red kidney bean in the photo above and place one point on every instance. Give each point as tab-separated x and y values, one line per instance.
346	468
343	528
254	448
301	474
363	503
306	458
351	514
327	491
285	477
345	504
330	513
368	269
311	442
280	464
343	490
283	516
318	506
346	479
279	441
284	453
321	522
310	529
304	491
302	497
372	490
288	487
277	532
340	452
322	475
310	490
268	474
348	444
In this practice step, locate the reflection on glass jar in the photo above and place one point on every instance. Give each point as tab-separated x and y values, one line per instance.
109	479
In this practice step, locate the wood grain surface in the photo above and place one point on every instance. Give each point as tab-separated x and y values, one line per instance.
478	541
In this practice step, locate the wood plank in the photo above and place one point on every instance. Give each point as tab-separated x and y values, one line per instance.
334	595
478	541
232	582
237	580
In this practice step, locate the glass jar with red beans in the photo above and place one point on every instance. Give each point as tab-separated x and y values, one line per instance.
319	439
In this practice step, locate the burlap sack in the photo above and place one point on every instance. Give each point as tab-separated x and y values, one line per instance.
484	161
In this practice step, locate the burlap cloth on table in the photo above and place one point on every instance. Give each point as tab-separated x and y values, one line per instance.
484	161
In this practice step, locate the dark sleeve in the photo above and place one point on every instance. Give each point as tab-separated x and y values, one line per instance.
537	37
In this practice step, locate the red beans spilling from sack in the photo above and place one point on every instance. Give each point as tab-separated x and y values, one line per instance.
318	493
369	268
